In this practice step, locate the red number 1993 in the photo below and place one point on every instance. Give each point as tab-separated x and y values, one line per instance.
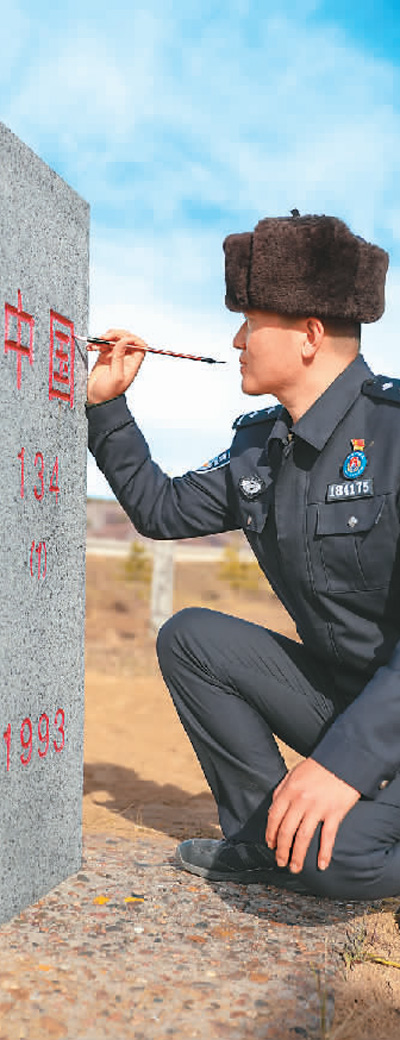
44	739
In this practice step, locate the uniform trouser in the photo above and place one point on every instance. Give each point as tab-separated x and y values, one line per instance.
234	685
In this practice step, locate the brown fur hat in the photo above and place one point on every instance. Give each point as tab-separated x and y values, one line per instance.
305	266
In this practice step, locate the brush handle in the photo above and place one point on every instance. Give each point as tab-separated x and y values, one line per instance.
157	350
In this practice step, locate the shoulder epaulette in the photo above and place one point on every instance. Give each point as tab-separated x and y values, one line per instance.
249	418
383	388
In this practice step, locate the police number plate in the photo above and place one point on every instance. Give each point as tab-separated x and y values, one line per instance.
357	489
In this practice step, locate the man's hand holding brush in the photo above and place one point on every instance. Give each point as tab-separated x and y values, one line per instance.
119	360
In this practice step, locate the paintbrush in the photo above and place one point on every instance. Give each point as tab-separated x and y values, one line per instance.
153	350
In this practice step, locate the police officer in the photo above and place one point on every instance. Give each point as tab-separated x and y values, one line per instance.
314	483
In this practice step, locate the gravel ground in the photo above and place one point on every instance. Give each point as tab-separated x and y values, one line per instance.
132	947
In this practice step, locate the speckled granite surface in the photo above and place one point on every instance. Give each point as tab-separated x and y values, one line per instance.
44	264
132	947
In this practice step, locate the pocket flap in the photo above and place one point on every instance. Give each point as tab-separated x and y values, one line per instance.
348	517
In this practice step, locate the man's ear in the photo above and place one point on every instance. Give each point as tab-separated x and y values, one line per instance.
314	334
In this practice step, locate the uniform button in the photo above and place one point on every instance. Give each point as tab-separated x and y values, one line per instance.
352	521
383	784
248	521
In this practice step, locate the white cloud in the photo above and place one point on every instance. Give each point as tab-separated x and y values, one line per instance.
207	112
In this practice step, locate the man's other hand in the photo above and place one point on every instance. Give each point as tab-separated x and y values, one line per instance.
308	795
117	365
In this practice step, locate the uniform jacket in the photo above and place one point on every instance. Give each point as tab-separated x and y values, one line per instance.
328	543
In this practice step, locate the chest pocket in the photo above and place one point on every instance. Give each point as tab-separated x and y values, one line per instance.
354	544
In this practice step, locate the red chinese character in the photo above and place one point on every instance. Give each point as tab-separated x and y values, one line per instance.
62	356
16	344
41	552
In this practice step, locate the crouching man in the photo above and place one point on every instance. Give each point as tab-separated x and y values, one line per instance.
314	483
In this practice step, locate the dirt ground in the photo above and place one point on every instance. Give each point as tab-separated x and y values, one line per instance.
140	770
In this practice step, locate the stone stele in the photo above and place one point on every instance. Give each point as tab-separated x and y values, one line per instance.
44	232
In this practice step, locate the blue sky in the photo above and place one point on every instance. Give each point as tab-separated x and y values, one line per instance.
181	122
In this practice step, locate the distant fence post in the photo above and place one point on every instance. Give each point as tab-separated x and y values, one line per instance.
162	585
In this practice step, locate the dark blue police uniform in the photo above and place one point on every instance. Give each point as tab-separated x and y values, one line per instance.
318	501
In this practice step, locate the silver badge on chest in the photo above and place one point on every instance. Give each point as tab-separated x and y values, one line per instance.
252	486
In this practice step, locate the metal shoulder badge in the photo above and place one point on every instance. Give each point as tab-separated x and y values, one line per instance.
251	486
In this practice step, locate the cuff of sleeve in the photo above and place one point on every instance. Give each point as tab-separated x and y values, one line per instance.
355	765
109	415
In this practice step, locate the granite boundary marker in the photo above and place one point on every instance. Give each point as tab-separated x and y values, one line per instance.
44	235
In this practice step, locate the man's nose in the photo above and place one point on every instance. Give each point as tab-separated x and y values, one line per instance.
239	341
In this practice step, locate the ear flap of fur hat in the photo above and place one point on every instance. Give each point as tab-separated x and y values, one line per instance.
311	265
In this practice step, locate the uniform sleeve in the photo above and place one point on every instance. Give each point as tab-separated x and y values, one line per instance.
362	746
159	506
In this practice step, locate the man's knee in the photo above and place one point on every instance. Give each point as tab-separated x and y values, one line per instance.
175	635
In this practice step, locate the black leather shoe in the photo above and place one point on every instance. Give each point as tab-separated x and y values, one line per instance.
243	862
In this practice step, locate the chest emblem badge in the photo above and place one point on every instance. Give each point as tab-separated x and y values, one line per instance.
251	486
356	462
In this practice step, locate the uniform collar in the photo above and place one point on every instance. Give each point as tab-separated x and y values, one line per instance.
319	422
